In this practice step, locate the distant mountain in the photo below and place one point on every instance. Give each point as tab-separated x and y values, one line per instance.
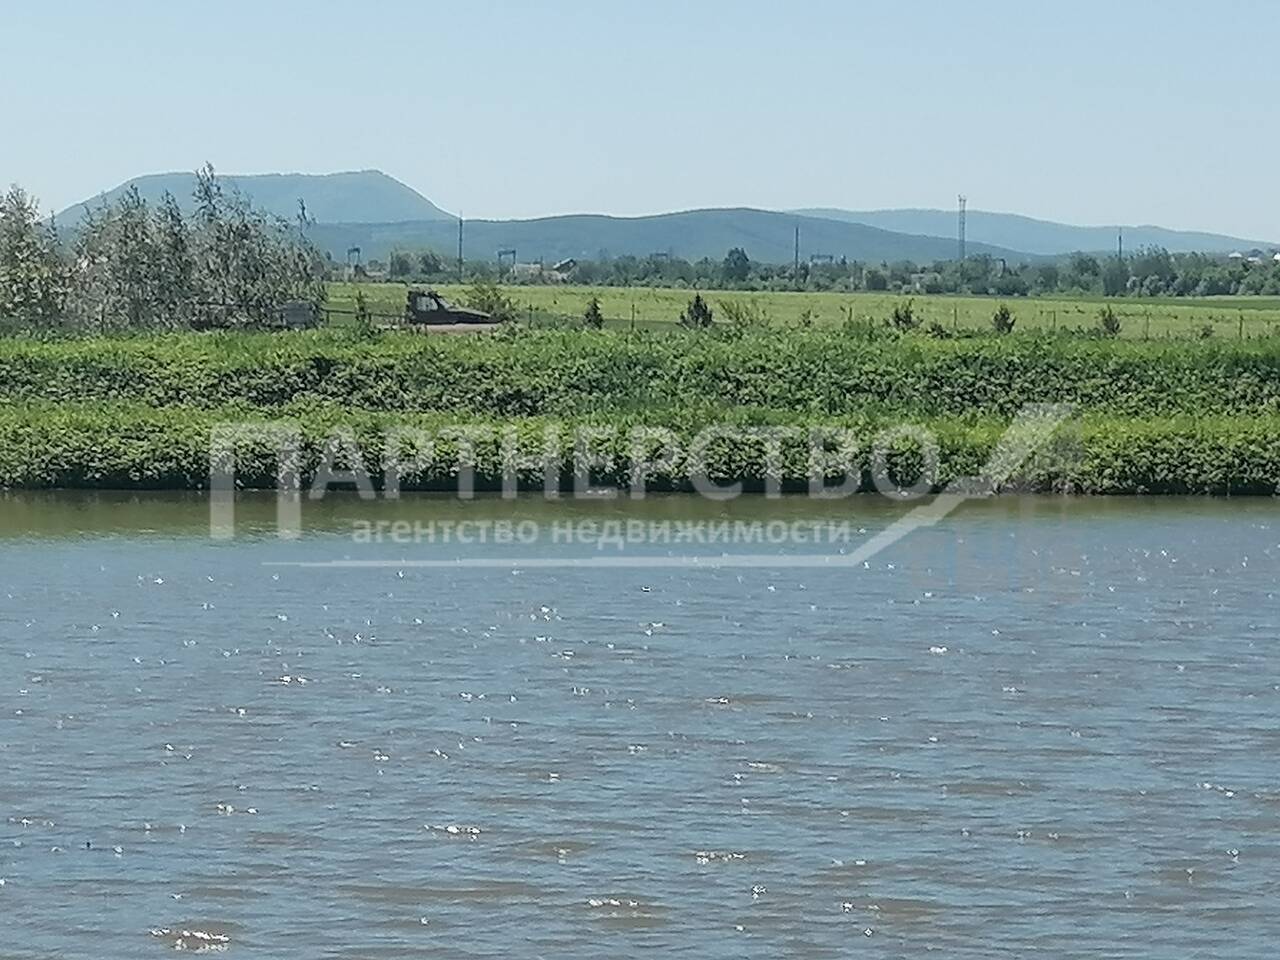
1042	237
376	212
361	196
767	236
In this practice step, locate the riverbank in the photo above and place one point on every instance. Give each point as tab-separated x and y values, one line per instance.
1157	417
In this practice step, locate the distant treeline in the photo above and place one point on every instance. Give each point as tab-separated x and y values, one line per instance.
131	266
1149	272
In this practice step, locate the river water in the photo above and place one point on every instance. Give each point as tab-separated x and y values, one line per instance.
1040	726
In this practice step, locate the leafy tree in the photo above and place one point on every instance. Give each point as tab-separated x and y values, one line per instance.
1115	277
1108	322
33	279
697	315
592	317
1150	286
744	315
1083	271
1002	320
133	262
117	267
248	263
429	263
134	266
1153	262
737	266
904	316
89	295
1047	277
362	323
1011	284
400	264
487	296
175	268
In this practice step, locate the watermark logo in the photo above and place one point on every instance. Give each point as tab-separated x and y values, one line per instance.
719	463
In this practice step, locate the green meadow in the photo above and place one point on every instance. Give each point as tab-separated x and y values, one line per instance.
1249	317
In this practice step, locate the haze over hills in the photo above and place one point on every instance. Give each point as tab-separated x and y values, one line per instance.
376	212
766	235
356	196
1042	237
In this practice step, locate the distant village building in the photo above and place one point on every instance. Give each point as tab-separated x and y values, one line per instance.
557	273
926	282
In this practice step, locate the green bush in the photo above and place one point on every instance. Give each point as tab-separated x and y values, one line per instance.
1002	320
697	315
904	317
1108	322
132	445
1159	416
570	371
488	297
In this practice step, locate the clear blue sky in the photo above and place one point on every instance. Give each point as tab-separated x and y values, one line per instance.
1088	112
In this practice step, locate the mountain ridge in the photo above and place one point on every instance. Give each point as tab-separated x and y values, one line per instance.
378	213
357	196
1038	236
766	235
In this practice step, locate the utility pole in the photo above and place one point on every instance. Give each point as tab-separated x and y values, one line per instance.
796	264
1120	242
459	246
961	225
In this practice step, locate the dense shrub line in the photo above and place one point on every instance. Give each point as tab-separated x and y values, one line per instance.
131	445
563	373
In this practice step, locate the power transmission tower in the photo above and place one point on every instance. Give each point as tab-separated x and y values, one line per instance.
459	246
1120	242
960	226
797	253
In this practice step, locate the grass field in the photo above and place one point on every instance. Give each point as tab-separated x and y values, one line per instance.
655	307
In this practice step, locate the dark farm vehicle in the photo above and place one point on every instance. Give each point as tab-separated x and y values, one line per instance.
428	307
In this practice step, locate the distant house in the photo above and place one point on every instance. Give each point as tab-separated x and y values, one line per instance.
926	282
536	271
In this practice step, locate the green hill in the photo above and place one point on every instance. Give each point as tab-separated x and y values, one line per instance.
1043	237
766	235
360	196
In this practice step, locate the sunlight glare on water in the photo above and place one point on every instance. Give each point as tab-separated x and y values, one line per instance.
1042	726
